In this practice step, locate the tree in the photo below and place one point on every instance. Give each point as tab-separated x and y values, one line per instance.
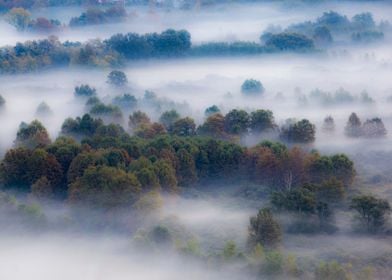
126	102
237	122
331	191
183	127
168	118
85	91
32	135
372	212
329	125
289	42
214	126
105	187
353	127
262	120
43	110
117	78
373	128
211	110
2	102
322	35
264	229
298	131
19	17
166	175
137	119
186	172
252	87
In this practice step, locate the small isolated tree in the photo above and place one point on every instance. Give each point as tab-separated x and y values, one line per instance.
374	128
372	211
252	87
85	91
298	131
117	78
264	229
329	125
43	110
353	127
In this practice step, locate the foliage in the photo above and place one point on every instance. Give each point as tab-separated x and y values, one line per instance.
117	78
372	211
252	87
264	230
32	135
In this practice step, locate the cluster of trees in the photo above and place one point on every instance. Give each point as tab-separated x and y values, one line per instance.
370	128
111	165
360	28
339	97
25	57
21	19
95	15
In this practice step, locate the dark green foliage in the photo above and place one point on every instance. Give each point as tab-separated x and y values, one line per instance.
80	127
261	121
104	187
237	122
264	230
85	91
117	78
372	212
108	112
252	87
290	42
298	131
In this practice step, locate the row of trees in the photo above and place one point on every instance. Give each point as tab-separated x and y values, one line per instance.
112	161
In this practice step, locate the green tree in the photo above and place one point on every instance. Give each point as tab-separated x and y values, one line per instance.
105	187
211	110
252	87
354	126
237	122
262	120
32	135
183	127
42	188
168	118
264	229
85	91
372	212
117	78
301	131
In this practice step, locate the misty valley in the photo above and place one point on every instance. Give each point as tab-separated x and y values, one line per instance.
195	139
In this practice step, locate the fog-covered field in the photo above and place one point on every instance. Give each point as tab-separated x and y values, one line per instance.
205	218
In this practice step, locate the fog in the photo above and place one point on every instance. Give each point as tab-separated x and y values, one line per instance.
221	22
76	244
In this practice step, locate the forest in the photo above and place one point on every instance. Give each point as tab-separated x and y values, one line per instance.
197	139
